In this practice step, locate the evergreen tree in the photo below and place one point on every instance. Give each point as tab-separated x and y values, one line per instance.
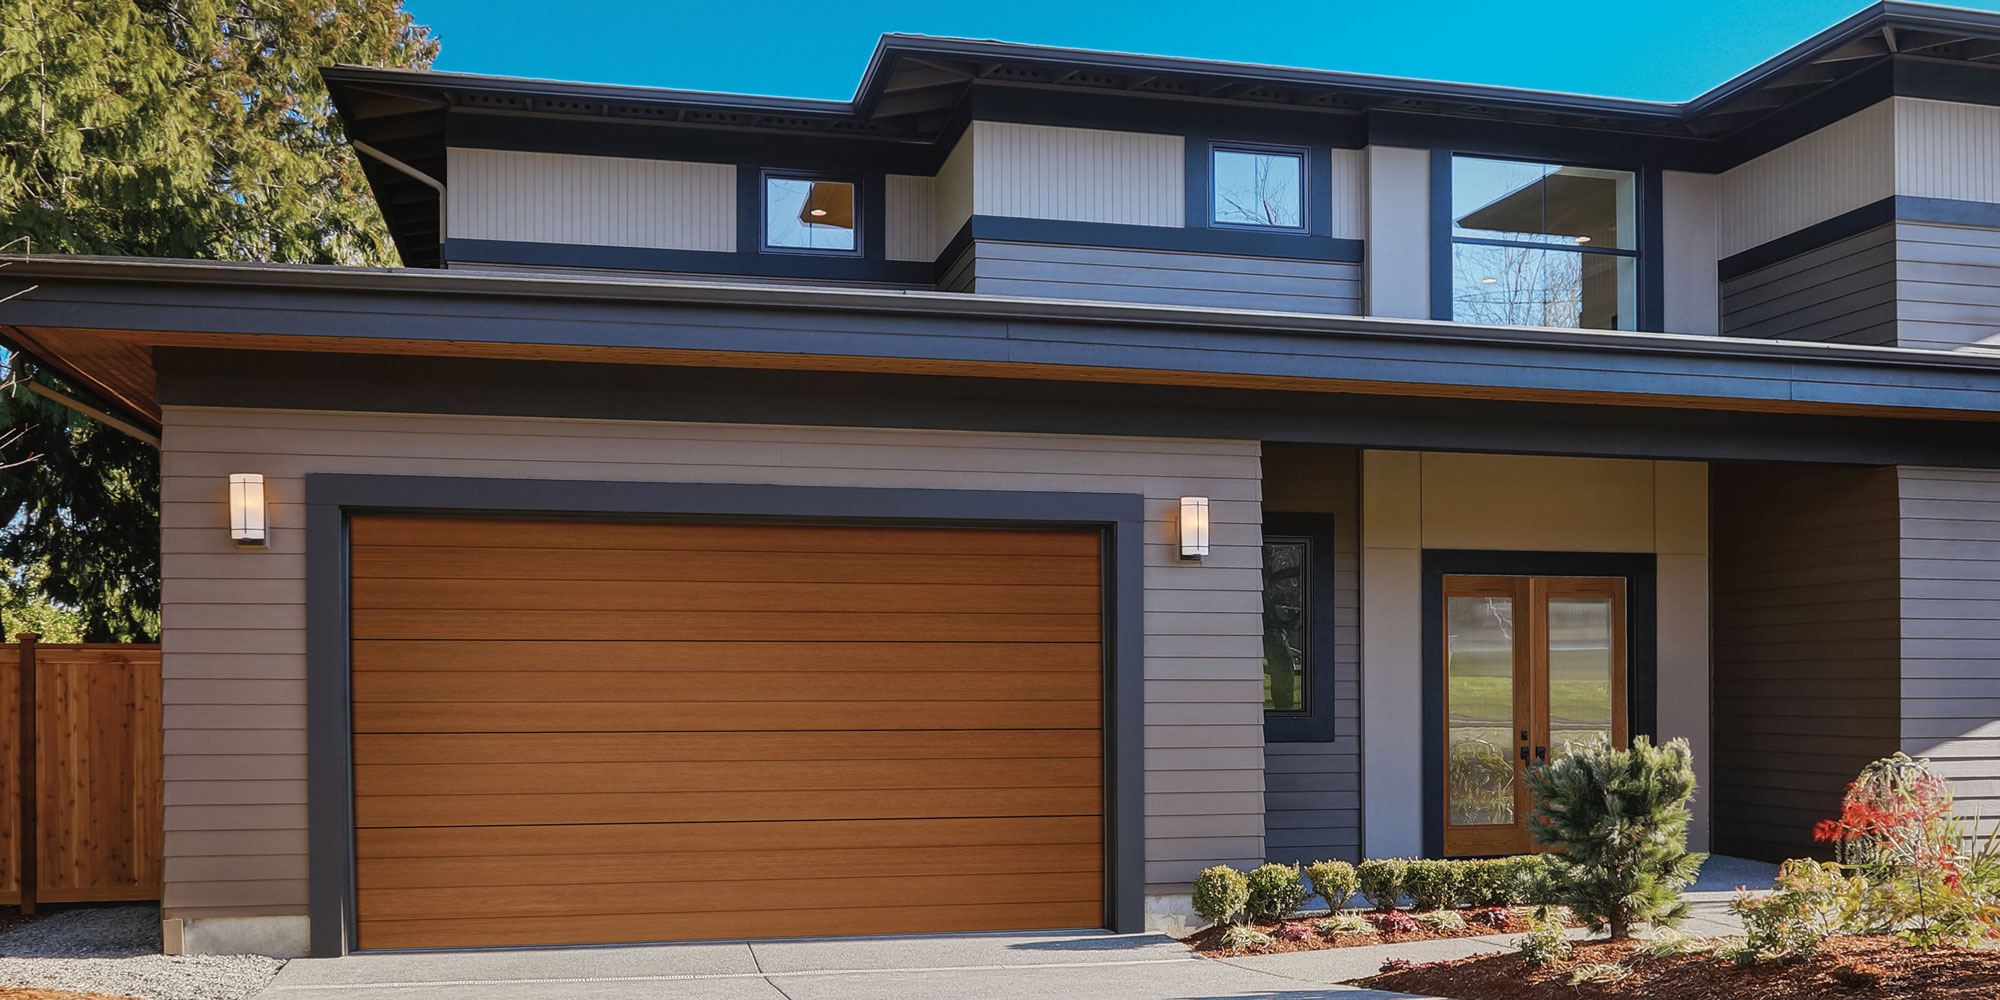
1620	817
162	128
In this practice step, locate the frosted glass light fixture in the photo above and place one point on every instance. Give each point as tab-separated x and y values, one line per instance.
246	509
1194	527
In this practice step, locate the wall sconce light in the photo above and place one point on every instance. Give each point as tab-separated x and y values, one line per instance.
1194	527
246	509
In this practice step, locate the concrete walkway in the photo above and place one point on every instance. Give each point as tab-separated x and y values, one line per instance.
1055	966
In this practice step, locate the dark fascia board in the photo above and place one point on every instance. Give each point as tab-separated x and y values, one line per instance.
277	301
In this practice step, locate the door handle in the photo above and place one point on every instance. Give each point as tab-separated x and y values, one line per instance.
1524	752
1541	754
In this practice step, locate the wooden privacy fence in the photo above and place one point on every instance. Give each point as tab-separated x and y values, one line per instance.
80	753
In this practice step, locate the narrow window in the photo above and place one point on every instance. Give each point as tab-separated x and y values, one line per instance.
1259	188
1287	626
804	213
1536	244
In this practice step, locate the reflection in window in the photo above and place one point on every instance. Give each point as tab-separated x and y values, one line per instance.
1257	188
805	214
1536	244
1479	700
1286	628
1581	666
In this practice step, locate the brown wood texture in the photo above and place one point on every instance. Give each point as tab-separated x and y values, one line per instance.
636	727
95	801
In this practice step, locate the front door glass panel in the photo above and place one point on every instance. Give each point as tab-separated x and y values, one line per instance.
1479	693
1580	673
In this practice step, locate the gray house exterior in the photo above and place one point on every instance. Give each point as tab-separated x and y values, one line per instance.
1051	473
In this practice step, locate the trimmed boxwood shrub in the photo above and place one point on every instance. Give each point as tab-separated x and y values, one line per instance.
1487	882
1381	881
1332	881
1220	894
1432	884
1275	891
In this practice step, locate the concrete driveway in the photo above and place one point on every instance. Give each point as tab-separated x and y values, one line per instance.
1052	966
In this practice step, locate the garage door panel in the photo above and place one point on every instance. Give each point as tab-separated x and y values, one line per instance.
720	896
534	594
421	531
574	869
723	838
758	923
702	807
427	562
507	748
678	776
573	732
798	683
707	657
717	716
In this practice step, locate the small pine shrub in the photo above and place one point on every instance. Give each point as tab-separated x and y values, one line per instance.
1381	881
1333	882
1247	939
1432	884
1344	923
1442	921
1598	972
1275	891
1220	894
1528	880
1546	942
1394	922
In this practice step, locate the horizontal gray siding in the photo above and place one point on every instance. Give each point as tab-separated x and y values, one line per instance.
1806	618
1844	291
1947	286
1312	791
1166	278
1951	629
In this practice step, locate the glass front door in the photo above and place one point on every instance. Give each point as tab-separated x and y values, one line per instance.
1534	667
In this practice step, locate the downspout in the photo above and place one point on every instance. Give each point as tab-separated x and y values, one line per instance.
396	164
130	429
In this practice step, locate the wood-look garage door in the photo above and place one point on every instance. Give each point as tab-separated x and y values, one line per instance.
578	732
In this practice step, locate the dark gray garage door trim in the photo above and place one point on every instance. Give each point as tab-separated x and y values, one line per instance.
331	498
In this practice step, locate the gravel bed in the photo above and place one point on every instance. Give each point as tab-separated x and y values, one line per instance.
116	951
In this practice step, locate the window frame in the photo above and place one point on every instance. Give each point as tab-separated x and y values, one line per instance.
1647	252
766	175
1304	155
1315	723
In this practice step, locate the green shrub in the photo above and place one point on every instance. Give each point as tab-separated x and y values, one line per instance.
1381	881
1484	883
1344	923
1274	891
1546	941
1528	880
1621	817
1220	894
1432	884
1332	881
1809	902
1247	939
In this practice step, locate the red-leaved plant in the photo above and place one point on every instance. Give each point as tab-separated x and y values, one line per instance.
1394	922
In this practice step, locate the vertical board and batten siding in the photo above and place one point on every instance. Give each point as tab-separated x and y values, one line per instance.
1947	150
908	215
1950	682
1312	791
1837	169
1806	613
234	621
498	194
1078	174
1844	291
1166	277
1348	181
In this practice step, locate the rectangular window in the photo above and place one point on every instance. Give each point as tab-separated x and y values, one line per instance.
1259	188
1287	625
809	214
1538	244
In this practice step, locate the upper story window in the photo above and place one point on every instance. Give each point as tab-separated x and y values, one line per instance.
1258	187
809	214
1536	244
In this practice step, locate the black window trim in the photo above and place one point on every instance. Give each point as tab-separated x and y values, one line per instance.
1304	155
1316	723
1649	254
766	175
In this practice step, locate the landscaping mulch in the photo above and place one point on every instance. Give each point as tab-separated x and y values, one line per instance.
30	993
1904	974
1208	943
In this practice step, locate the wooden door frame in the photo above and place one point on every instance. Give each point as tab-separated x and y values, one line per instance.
331	497
1639	569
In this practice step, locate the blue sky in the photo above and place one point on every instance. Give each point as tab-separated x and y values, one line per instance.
1652	51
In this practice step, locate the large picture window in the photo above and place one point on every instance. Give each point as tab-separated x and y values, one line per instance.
1538	244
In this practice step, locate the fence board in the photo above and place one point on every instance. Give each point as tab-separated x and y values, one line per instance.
94	786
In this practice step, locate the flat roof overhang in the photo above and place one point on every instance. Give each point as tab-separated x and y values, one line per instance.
98	320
